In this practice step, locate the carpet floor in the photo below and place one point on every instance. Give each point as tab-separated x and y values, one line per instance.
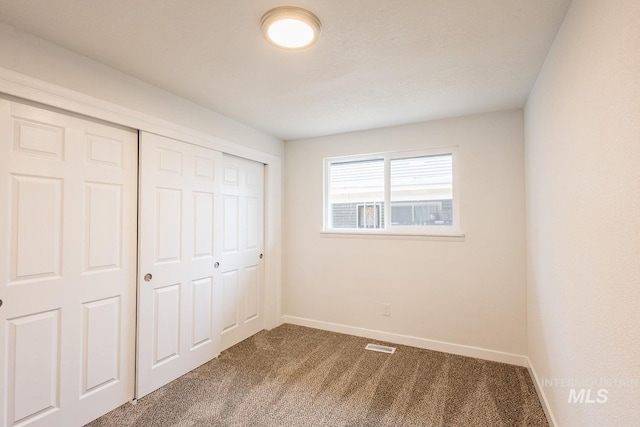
297	376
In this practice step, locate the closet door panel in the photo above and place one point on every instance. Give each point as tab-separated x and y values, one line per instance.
242	256
178	322
68	191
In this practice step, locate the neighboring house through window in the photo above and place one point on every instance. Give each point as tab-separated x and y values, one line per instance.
400	192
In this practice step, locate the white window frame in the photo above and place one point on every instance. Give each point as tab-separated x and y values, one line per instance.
453	230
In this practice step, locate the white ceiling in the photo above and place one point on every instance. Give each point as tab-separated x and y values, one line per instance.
377	62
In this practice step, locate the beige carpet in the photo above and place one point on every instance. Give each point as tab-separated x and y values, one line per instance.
295	376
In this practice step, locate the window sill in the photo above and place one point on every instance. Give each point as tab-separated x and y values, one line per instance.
395	235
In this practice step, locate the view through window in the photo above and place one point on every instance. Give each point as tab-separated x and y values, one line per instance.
390	192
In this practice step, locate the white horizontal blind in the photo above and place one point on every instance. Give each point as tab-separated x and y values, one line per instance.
422	191
356	194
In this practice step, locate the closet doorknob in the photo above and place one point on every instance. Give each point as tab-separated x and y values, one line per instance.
148	277
216	265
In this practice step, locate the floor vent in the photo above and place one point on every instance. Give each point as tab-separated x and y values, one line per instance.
380	348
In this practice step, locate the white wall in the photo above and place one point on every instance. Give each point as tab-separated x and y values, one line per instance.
469	293
34	57
583	212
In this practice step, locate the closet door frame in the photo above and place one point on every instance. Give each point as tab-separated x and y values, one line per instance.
17	86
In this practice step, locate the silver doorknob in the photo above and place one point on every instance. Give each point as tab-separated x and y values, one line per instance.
216	265
148	277
261	256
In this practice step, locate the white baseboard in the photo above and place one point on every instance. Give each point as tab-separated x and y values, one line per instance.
543	397
445	347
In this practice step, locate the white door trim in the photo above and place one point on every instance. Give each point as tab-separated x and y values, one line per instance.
28	88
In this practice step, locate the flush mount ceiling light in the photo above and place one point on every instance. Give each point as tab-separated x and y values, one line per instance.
290	27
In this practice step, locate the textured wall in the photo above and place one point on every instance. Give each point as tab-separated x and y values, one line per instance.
582	126
470	293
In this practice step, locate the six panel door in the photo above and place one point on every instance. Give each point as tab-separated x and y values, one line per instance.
242	249
67	266
179	305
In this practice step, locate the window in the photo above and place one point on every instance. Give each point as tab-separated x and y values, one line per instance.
404	193
422	190
357	194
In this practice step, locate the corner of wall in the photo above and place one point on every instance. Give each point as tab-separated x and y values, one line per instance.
541	394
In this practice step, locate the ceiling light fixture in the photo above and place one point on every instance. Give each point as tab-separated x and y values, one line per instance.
290	27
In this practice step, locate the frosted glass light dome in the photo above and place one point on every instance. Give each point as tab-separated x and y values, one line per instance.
290	27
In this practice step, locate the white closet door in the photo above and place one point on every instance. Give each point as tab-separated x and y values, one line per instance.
178	317
242	248
67	267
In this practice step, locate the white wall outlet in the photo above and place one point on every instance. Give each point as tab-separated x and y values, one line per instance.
386	309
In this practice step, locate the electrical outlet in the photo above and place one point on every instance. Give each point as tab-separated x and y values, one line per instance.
386	309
